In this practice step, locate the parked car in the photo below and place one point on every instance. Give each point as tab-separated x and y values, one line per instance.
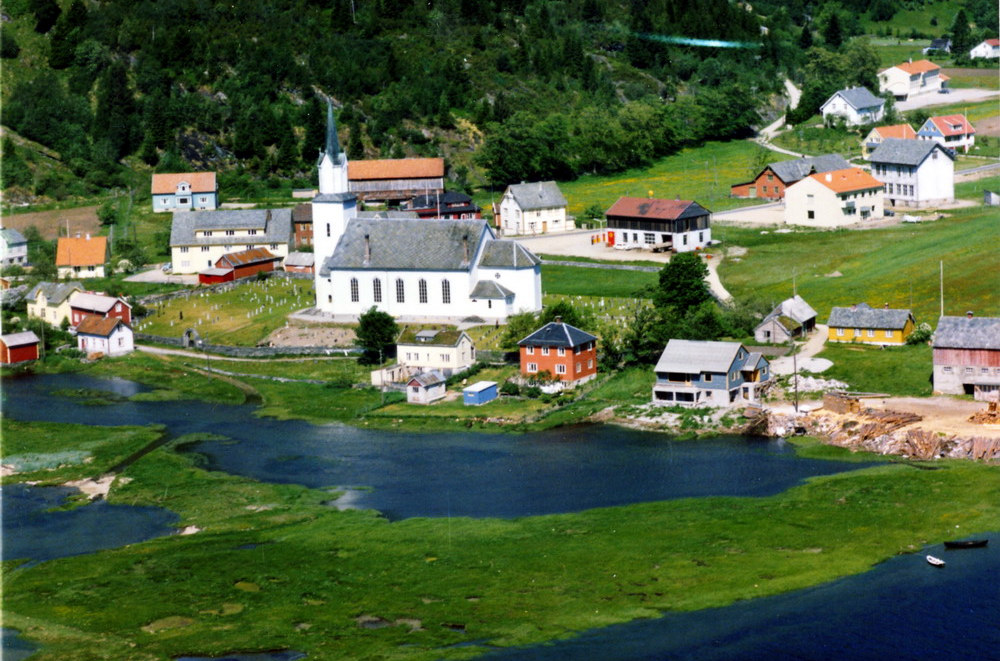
890	212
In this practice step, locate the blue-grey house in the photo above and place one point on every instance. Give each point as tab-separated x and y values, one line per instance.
185	191
698	373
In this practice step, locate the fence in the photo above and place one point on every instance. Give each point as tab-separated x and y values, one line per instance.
246	352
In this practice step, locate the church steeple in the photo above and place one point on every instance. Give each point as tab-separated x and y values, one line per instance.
332	142
332	162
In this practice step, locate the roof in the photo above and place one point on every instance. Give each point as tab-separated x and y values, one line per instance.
966	333
201	182
102	326
300	259
302	213
506	253
94	302
490	289
398	244
247	257
858	98
55	292
396	168
693	356
276	225
11	236
796	308
449	198
794	170
656	209
901	131
850	179
940	43
920	66
427	379
215	271
952	125
906	152
557	334
537	195
863	315
19	339
81	251
383	214
992	42
446	337
479	386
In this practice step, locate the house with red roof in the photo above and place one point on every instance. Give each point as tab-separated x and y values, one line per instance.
110	336
834	199
990	48
394	179
656	224
82	257
88	304
880	133
185	191
951	131
237	265
911	79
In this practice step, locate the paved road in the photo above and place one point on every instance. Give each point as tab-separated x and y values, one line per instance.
804	358
964	95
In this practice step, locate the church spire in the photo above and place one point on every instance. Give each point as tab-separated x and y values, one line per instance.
332	143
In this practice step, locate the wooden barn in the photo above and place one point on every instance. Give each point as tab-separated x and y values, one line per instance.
238	265
395	179
18	348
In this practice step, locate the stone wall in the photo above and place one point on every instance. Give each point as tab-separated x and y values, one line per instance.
249	352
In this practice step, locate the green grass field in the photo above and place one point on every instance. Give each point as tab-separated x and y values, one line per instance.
902	371
973	190
809	139
582	281
920	19
898	265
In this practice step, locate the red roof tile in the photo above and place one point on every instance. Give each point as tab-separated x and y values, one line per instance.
649	208
396	168
81	251
201	182
245	257
901	131
944	123
920	66
846	181
94	325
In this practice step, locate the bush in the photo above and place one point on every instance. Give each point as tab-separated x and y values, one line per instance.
532	392
510	389
920	335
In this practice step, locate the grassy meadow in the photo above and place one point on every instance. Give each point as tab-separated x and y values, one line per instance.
902	371
897	265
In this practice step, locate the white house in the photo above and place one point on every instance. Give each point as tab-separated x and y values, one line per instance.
13	247
81	256
989	48
50	301
184	191
110	336
426	387
911	79
535	208
198	239
433	270
677	225
834	199
952	131
856	105
915	172
448	351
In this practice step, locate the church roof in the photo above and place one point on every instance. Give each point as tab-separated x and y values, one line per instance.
490	289
505	253
408	245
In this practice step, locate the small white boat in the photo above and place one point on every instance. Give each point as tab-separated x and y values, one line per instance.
937	562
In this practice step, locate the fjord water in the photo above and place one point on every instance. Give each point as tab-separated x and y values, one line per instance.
409	474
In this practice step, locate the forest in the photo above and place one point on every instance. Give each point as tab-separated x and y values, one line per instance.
504	89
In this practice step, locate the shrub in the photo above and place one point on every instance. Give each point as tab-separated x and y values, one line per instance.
920	335
532	392
510	389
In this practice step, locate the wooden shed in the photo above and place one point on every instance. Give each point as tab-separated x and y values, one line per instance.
479	393
426	387
18	347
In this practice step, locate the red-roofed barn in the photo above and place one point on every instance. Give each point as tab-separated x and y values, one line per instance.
655	224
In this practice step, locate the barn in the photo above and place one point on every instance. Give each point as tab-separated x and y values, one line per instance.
237	265
18	348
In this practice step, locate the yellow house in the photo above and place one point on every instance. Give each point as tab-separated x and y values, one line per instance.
863	323
49	301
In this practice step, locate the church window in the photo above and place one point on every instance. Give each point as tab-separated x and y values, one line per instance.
400	292
328	229
377	290
445	292
422	290
355	297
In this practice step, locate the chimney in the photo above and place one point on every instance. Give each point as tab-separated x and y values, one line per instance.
829	177
368	250
968	315
558	318
465	248
267	218
886	306
88	236
854	306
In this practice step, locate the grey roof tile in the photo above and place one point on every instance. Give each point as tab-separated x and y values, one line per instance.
800	168
965	333
55	292
859	98
695	356
489	289
537	195
905	152
274	225
20	339
864	316
557	334
427	379
505	253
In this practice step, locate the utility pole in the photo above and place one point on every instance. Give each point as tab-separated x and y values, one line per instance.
941	280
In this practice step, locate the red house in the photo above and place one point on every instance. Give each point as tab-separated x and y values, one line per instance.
18	348
237	265
771	182
302	220
566	352
87	304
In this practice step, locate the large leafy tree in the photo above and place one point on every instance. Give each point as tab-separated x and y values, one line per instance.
682	284
377	332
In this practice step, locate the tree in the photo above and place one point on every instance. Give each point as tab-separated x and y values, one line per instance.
682	283
376	334
46	12
961	35
833	34
806	38
863	63
519	326
8	45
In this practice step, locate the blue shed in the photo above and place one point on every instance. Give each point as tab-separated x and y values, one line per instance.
479	393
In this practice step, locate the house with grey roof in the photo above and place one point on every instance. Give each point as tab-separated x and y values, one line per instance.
916	173
855	105
13	247
426	387
864	324
699	373
791	318
533	208
198	239
434	270
771	182
50	301
967	356
568	354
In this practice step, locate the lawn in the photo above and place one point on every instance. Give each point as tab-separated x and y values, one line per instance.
809	139
905	20
583	281
973	190
242	316
901	371
703	174
898	265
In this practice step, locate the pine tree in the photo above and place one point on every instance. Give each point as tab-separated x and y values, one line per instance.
961	35
806	38
833	35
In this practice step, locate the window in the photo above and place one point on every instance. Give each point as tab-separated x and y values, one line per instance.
840	332
377	290
183	200
946	369
871	332
422	290
810	215
274	246
205	248
230	232
118	307
708	378
328	229
529	351
969	370
545	351
590	363
888	189
445	358
888	334
579	368
355	296
208	233
649	238
532	367
329	298
561	351
857	332
400	291
445	292
184	248
984	370
560	369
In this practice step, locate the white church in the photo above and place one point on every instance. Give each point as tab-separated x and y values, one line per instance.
434	270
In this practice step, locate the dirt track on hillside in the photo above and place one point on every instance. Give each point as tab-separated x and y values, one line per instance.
49	223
